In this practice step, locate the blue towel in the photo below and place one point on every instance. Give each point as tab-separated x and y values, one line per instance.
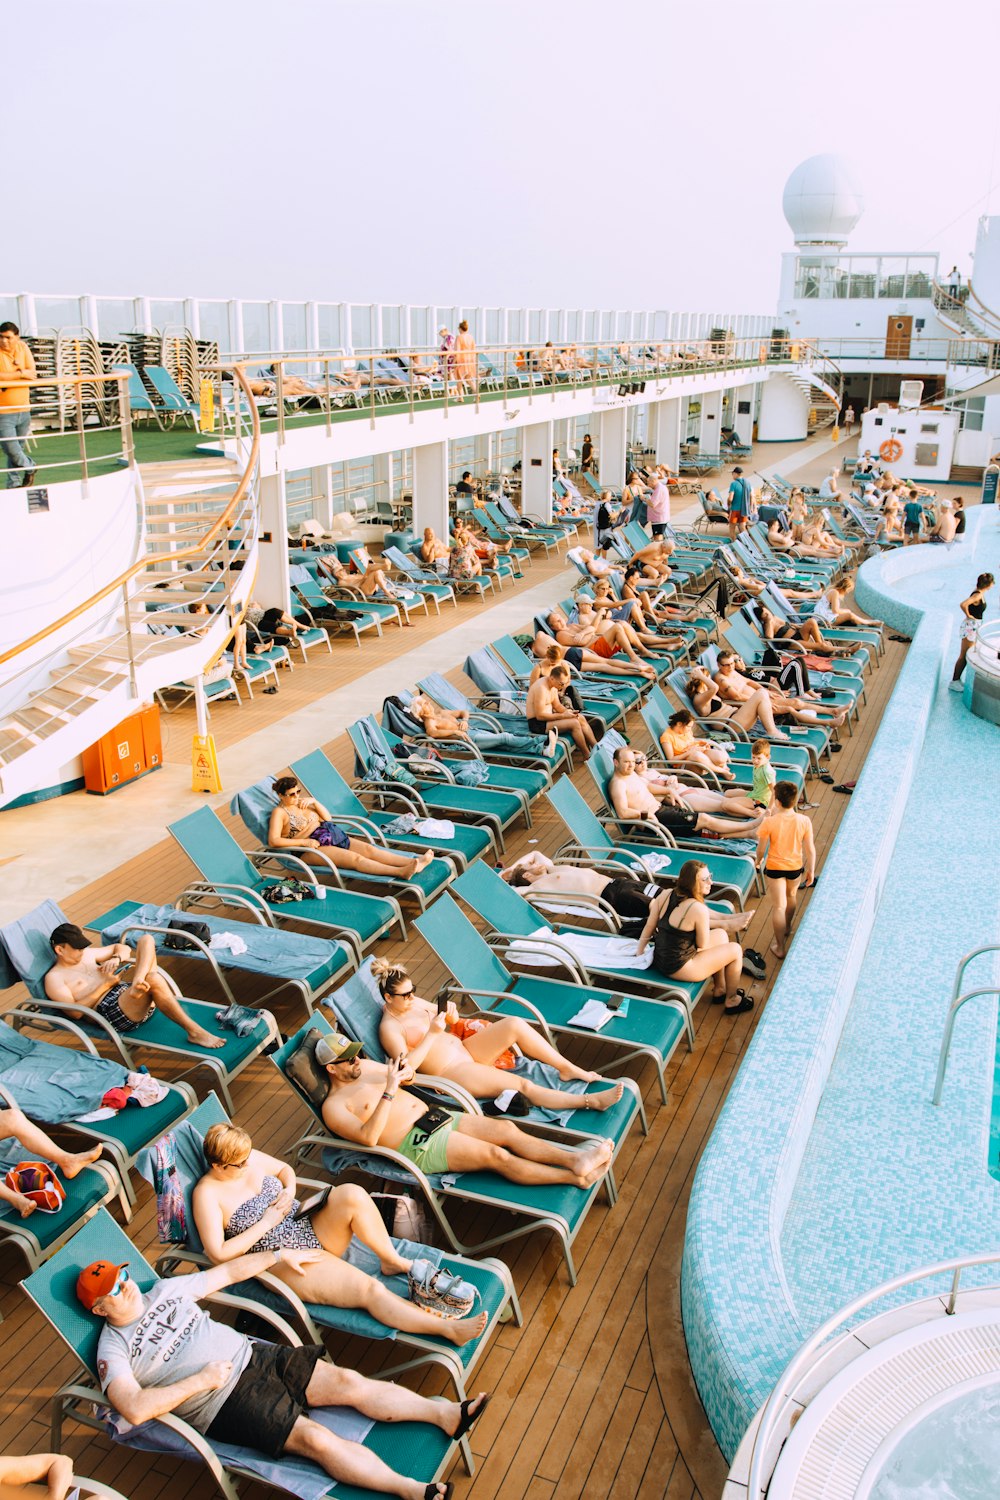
54	1084
254	805
269	950
297	1476
26	943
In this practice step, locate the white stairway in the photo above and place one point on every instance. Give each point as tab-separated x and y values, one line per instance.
96	681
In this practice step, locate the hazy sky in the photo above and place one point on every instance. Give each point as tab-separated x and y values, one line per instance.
578	153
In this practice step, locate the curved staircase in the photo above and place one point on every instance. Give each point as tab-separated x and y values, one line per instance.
824	399
199	517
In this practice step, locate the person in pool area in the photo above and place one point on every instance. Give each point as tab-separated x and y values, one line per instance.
88	978
580	657
786	836
368	1103
606	639
733	687
441	1043
246	1201
734	801
159	1353
973	609
632	797
545	709
693	943
300	822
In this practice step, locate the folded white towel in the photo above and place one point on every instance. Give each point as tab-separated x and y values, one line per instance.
593	1015
436	828
228	940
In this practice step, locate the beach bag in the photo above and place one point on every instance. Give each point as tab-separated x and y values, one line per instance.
176	940
37	1180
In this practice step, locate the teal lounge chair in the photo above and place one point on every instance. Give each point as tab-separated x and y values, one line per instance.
231	878
522	933
339	614
141	403
656	716
429	790
26	943
448	696
413	1449
324	782
170	395
491	1278
625	691
731	871
797	757
356	1008
427	583
306	965
407	600
742	635
643	1030
561	1210
255	805
590	843
56	1085
524	782
493	677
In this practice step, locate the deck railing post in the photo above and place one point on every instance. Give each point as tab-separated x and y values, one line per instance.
81	434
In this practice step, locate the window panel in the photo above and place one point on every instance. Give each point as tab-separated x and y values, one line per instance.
330	332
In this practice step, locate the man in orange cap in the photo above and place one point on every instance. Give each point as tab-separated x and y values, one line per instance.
159	1353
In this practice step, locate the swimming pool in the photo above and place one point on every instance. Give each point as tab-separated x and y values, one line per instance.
830	1170
951	1454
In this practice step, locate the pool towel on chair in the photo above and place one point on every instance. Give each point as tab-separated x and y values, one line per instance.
600	952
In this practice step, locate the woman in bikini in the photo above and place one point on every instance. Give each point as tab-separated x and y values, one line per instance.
691	942
973	609
679	742
707	704
301	823
476	1056
246	1201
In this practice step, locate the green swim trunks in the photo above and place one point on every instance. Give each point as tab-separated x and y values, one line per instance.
428	1150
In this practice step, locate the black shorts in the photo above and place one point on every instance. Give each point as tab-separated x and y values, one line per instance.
574	655
631	901
785	874
909	530
268	1398
677	820
539	726
659	529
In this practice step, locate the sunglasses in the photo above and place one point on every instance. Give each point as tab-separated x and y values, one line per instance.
403	994
120	1281
237	1165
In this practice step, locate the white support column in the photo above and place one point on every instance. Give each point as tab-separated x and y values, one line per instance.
323	486
665	431
90	315
744	396
536	470
611	446
145	314
273	590
710	423
382	466
430	488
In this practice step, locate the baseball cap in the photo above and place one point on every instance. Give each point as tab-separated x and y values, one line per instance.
96	1281
336	1048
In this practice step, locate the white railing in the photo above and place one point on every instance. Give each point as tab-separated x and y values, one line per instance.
777	1410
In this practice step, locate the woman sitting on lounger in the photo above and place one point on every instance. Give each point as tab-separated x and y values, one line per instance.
679	742
468	1053
581	658
707	703
807	631
300	822
246	1202
691	942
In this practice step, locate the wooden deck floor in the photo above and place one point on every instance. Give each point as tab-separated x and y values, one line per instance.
593	1396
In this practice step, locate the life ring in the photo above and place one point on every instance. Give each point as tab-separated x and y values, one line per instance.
891	450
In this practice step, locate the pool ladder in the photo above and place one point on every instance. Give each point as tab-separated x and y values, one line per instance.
958	999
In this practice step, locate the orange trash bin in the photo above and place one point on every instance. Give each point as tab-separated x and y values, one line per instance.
125	753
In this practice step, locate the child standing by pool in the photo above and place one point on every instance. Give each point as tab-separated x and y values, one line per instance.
763	773
787	837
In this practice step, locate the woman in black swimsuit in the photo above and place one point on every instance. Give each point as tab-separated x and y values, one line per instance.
687	946
973	610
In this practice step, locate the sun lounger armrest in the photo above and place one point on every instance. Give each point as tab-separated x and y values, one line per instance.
242	896
195	942
52	1008
399	791
549	944
577	902
656	833
515	999
432	770
364	826
261	859
67	1025
328	865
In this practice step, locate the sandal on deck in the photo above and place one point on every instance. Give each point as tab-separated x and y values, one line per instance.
469	1418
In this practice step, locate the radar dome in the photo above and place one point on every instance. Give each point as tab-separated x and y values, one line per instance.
822	201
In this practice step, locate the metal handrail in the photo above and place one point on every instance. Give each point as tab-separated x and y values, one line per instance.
783	1393
224	519
958	999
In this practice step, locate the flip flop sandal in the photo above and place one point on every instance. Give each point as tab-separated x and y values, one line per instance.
469	1418
431	1491
828	778
836	749
845	788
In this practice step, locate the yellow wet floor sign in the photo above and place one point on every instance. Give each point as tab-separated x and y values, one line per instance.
204	765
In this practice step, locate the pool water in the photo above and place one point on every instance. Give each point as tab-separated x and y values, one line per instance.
953	1454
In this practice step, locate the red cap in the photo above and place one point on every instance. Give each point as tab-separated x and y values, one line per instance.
96	1280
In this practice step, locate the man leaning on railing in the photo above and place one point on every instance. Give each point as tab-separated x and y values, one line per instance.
17	367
